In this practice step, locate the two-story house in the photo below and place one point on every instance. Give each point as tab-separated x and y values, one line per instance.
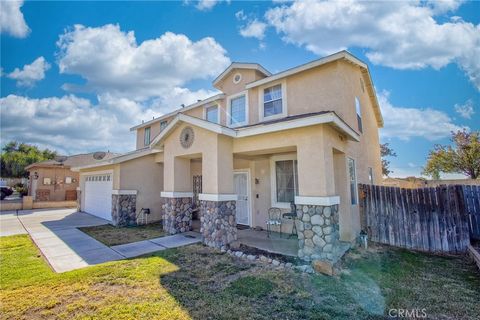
303	136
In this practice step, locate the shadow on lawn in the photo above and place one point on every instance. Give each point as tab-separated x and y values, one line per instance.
212	285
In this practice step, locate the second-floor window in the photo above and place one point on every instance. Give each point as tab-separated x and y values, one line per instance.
359	114
211	114
272	101
146	136
238	111
163	124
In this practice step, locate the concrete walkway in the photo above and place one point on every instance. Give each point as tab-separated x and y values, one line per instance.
66	248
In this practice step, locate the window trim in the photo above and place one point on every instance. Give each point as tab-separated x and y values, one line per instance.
349	181
66	180
45	179
229	108
145	143
166	124
261	108
273	179
205	112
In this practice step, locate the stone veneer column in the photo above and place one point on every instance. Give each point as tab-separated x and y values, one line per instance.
177	214
124	208
318	231
218	222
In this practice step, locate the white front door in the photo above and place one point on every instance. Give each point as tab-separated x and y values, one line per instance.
98	195
240	182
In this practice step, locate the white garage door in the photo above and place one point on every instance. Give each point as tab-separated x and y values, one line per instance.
98	195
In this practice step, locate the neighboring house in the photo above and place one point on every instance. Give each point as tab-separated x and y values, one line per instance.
53	180
306	135
414	182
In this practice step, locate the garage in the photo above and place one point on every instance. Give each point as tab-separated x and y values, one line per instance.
98	195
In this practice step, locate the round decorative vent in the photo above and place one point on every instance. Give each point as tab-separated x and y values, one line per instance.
99	155
186	137
237	78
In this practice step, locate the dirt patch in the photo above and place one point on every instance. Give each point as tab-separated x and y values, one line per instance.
259	252
112	236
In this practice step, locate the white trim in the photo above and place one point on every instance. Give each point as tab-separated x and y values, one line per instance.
217	197
78	189
119	159
240	65
127	192
94	173
216	97
208	106
174	194
318	201
249	192
336	56
240	79
261	96
229	108
273	179
298	123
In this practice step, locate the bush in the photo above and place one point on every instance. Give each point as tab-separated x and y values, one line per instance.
21	189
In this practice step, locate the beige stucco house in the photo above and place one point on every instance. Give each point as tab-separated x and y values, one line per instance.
307	135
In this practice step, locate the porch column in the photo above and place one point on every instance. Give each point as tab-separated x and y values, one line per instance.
317	204
177	195
217	202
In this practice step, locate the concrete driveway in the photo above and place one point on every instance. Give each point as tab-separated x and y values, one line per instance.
56	235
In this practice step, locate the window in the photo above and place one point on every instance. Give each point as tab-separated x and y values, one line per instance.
211	114
370	175
163	124
146	137
272	101
68	180
352	175
286	173
359	115
47	181
238	111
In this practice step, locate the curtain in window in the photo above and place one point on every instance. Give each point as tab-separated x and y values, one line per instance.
237	110
286	180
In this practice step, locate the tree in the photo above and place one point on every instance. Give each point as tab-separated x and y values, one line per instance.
386	151
463	157
16	156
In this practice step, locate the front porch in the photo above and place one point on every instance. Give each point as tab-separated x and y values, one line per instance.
286	245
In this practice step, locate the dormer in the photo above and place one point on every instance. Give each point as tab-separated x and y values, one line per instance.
238	75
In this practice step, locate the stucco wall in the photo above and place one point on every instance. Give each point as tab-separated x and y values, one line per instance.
58	187
146	176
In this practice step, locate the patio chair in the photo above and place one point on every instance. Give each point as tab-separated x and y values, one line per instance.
274	219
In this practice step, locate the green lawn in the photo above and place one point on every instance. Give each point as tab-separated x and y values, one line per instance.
196	282
111	235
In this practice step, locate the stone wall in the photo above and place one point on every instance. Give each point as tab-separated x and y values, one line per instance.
318	232
218	223
177	214
79	200
124	209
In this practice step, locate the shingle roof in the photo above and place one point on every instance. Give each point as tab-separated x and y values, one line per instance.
74	160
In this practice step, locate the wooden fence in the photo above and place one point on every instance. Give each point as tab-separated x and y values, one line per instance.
439	219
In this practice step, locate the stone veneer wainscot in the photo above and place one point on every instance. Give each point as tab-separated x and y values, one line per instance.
318	232
218	223
177	214
124	208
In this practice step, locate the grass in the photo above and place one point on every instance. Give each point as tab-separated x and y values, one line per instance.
111	235
197	282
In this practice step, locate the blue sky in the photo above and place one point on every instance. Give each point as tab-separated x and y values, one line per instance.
77	75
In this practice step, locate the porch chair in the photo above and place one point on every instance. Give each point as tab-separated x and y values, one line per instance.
274	219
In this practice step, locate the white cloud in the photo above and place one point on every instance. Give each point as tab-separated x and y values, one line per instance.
112	61
206	5
465	110
406	123
240	15
30	73
397	34
254	29
12	20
